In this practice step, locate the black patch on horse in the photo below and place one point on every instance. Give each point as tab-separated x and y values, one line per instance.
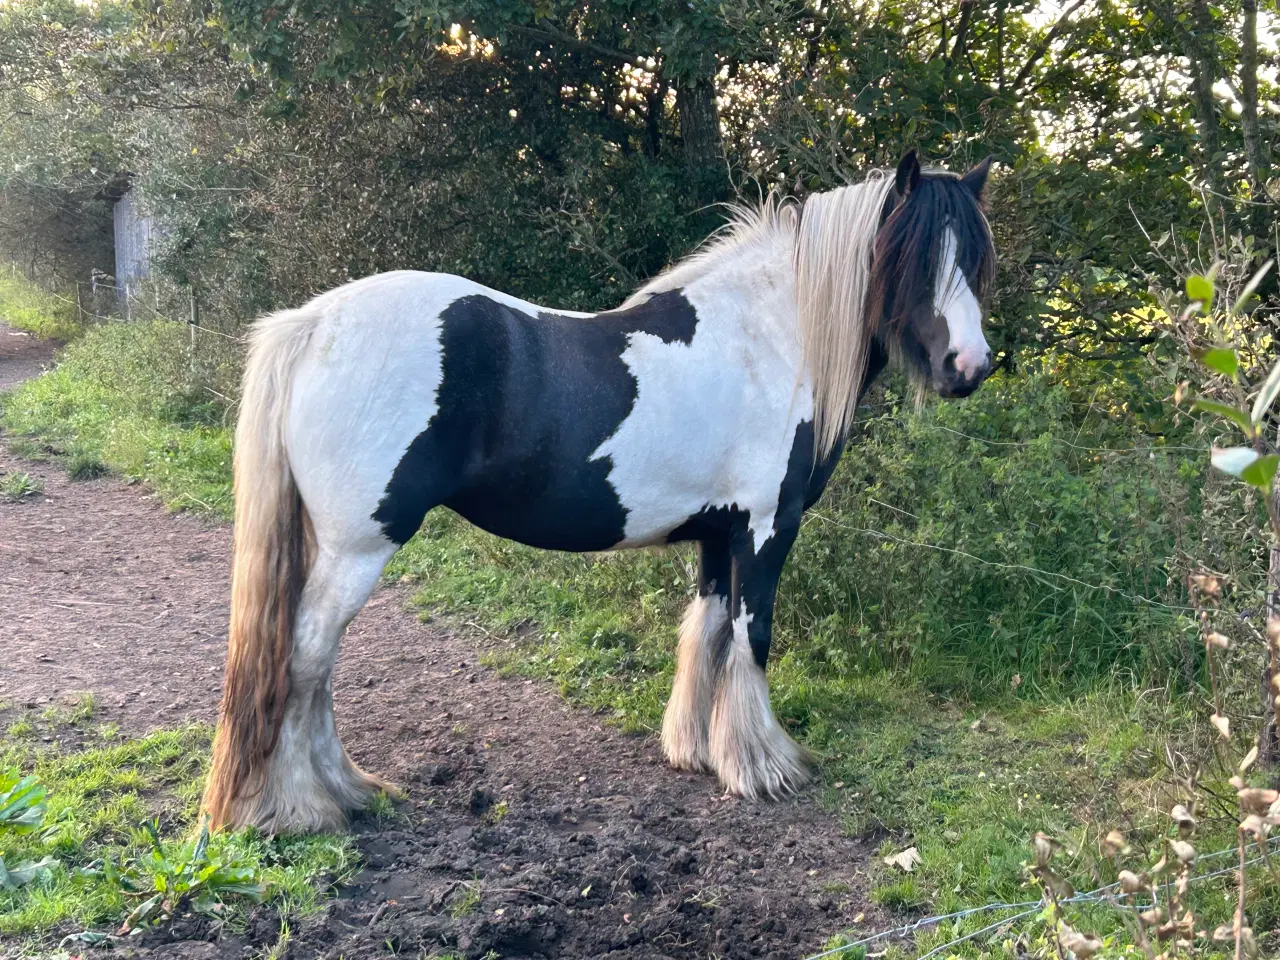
524	401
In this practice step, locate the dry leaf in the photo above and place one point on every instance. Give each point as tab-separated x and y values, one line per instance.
1083	945
1184	851
1257	800
1248	760
1207	585
1045	847
1222	724
907	859
1255	826
1057	886
1182	817
1130	882
1273	629
1151	917
1218	640
1112	844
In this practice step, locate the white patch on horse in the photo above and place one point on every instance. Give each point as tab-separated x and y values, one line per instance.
954	299
714	420
751	753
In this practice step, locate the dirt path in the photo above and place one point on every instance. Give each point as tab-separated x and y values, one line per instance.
22	356
580	840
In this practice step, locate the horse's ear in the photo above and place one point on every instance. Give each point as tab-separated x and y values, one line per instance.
976	179
908	176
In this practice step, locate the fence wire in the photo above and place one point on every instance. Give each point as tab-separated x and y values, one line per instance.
1100	895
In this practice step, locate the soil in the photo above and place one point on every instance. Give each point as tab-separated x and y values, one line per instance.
578	839
22	356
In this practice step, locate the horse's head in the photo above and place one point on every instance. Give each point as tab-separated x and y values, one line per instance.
933	264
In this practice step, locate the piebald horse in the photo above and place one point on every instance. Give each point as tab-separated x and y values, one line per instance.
711	406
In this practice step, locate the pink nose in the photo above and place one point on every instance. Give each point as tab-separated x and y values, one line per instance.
972	364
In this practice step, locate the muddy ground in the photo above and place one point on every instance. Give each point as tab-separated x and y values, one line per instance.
580	841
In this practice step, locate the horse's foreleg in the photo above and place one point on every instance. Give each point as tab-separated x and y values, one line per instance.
311	782
704	638
750	752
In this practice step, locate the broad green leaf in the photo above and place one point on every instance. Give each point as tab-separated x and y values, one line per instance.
21	803
1267	395
1233	460
24	873
1200	288
1238	417
1222	359
1250	287
1260	472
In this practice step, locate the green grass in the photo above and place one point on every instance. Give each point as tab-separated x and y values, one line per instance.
25	306
120	399
97	802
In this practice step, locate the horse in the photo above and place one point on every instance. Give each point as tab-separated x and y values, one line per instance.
711	406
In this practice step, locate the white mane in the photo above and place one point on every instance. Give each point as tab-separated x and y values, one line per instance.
832	237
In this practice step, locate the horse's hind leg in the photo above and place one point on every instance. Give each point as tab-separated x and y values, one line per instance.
704	637
311	782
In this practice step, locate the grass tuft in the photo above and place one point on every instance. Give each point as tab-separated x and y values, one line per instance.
85	466
17	486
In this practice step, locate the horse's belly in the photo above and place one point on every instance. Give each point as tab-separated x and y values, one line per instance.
580	513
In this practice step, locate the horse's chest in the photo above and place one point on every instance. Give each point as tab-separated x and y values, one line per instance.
712	426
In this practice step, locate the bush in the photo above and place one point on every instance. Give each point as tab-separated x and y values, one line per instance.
1025	533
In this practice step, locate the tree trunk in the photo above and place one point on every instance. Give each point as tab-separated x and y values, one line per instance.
1255	158
1203	75
700	131
961	41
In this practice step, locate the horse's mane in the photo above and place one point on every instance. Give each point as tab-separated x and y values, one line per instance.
832	236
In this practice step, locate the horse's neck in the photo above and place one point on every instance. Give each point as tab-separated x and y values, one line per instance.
753	288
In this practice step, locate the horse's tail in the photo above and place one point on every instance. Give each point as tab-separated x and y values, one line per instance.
272	558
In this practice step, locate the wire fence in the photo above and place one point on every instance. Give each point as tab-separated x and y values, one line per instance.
1050	577
1027	908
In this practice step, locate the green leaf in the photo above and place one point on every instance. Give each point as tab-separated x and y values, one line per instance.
1200	288
24	873
1267	395
21	803
1238	417
1233	460
1222	359
1260	472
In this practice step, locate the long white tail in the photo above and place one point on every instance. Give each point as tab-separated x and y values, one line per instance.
272	558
